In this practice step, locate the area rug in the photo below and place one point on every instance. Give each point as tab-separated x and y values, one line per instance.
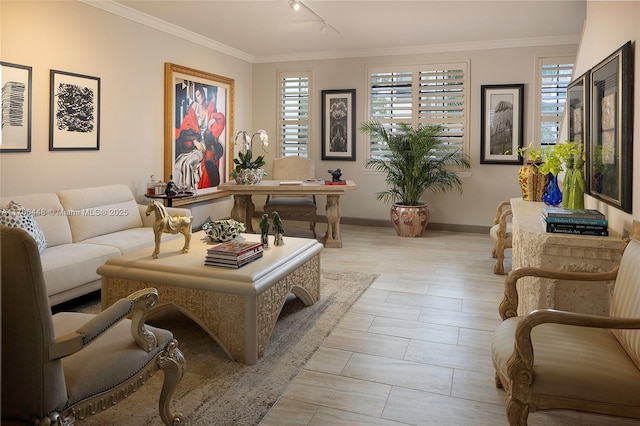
218	391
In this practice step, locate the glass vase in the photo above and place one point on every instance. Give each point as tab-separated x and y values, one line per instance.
552	195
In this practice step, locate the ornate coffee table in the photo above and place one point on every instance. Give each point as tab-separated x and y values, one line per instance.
237	307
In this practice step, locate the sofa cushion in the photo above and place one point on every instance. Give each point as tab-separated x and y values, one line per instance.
130	239
16	216
71	265
100	210
49	214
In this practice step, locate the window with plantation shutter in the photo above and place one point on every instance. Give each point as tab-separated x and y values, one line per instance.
554	76
420	95
294	113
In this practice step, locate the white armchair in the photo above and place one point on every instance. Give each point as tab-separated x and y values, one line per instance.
58	369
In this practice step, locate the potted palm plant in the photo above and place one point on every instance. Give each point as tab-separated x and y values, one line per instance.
418	160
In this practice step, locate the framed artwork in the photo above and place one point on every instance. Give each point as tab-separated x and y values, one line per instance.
75	112
16	108
198	150
609	156
339	124
578	109
502	117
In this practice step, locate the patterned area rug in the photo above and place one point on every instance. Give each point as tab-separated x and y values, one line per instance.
218	391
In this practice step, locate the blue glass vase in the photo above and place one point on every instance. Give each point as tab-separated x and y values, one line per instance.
552	195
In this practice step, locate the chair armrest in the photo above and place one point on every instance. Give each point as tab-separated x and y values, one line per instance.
523	349
136	304
509	305
501	206
502	223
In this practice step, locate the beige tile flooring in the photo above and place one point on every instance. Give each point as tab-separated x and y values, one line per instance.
415	348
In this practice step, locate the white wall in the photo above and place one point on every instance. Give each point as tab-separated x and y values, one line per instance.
608	26
488	184
129	58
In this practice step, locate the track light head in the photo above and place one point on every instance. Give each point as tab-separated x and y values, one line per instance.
294	4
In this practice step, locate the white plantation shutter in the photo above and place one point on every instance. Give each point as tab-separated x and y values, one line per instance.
294	113
420	95
555	75
443	102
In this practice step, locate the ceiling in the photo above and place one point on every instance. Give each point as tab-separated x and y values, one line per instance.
269	30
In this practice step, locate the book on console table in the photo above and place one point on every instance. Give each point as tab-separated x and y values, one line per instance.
332	182
231	263
577	229
561	212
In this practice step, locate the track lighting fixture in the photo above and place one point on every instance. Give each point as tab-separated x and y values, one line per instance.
294	4
297	4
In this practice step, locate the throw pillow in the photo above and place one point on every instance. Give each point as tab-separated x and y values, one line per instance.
16	216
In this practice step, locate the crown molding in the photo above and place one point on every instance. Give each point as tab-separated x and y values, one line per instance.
158	24
413	50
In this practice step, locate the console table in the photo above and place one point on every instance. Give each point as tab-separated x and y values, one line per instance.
243	206
533	246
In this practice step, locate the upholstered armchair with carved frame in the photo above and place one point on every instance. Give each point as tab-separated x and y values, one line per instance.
58	369
502	234
551	359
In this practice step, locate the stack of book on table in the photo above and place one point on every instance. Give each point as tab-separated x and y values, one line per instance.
233	254
575	221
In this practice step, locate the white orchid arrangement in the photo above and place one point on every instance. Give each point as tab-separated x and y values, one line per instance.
244	160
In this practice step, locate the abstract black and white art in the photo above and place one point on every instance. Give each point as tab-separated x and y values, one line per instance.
75	112
16	108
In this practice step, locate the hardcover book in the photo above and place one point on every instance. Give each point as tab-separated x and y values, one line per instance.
234	248
578	229
573	213
228	263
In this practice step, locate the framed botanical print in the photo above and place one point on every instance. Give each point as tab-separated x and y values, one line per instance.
16	108
198	123
338	125
610	152
502	117
75	112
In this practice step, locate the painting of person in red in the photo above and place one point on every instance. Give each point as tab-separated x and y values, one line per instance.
198	147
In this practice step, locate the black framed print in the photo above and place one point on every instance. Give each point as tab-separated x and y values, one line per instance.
502	118
16	108
75	112
610	153
339	124
578	117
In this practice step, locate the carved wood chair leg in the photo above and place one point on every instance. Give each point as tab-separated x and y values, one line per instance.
498	269
172	364
517	412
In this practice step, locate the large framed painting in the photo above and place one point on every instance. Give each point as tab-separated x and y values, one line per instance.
198	123
610	152
339	125
16	108
502	116
75	112
578	109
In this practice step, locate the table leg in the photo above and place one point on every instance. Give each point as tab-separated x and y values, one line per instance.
332	237
242	210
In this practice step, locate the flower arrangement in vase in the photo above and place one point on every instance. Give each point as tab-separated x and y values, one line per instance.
549	162
249	170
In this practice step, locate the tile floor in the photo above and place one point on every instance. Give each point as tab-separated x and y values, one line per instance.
415	348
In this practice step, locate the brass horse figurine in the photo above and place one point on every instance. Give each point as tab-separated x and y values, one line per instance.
170	225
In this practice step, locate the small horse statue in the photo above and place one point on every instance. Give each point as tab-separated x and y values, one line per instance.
170	225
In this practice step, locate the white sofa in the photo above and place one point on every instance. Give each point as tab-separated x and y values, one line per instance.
85	227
